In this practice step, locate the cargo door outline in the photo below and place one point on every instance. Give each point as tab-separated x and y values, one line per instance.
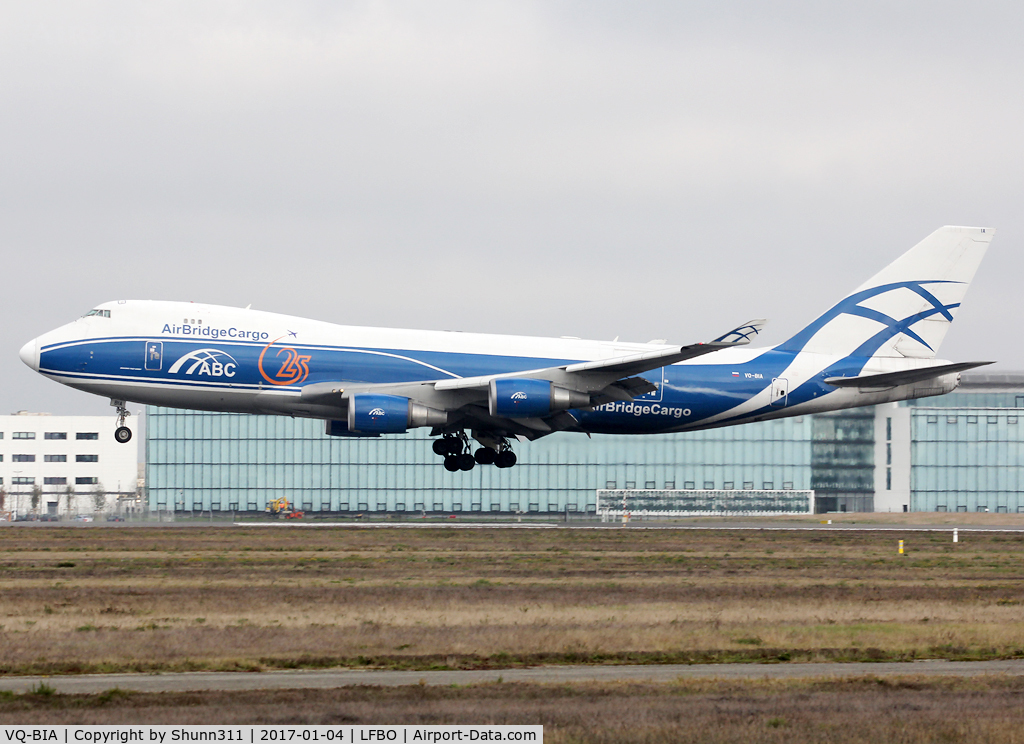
657	378
154	356
780	392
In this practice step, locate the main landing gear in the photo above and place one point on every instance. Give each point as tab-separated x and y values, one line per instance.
455	449
122	434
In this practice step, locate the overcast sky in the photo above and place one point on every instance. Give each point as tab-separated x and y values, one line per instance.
641	170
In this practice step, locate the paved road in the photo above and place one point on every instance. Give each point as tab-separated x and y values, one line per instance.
766	526
703	524
319	679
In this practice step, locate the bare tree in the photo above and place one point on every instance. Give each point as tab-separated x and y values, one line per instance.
3	498
37	493
69	496
99	497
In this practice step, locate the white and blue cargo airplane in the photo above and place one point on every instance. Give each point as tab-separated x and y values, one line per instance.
877	344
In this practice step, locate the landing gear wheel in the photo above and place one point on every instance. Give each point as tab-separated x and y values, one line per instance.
485	456
466	462
440	446
505	459
122	434
451	463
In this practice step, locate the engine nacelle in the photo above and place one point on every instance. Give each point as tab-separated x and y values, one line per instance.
340	429
526	398
390	414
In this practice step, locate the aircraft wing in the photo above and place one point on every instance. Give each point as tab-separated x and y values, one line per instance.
465	399
588	377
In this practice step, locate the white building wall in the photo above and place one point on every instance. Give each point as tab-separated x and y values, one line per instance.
24	435
892	458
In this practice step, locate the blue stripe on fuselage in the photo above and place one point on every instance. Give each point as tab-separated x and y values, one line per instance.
690	393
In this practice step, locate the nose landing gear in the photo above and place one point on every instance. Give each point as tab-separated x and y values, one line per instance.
122	434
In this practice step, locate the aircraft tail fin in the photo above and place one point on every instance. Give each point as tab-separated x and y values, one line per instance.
904	310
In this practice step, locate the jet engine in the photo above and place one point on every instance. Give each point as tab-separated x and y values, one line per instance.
528	398
390	414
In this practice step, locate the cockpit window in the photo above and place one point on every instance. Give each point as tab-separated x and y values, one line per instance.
100	313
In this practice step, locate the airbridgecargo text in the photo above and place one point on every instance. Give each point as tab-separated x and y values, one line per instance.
257	734
644	409
211	332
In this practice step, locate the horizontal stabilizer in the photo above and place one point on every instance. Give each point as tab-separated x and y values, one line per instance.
903	377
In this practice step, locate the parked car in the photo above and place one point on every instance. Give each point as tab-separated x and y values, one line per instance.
115	518
83	518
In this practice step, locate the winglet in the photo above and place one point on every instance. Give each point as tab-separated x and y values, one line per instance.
742	335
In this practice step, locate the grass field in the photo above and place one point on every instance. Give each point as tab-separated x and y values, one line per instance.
867	710
87	599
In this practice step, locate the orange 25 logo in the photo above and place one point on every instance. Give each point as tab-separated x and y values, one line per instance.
294	366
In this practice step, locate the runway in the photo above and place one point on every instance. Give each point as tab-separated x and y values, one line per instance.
717	526
325	679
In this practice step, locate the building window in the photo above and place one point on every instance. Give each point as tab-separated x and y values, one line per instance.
951	419
86	481
23	481
23	458
688	485
972	419
888	479
87	435
55	481
727	486
23	435
940	507
768	486
1	458
55	458
709	485
650	485
888	429
670	485
933	419
610	485
888	453
787	485
748	485
87	458
55	435
630	485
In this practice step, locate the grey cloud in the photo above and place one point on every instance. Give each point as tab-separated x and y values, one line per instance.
589	169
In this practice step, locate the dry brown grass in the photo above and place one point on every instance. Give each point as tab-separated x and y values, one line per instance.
226	597
868	709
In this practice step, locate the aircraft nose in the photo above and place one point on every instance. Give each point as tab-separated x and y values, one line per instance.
30	354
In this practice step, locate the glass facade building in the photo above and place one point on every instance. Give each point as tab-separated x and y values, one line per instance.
226	462
963	451
967	459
